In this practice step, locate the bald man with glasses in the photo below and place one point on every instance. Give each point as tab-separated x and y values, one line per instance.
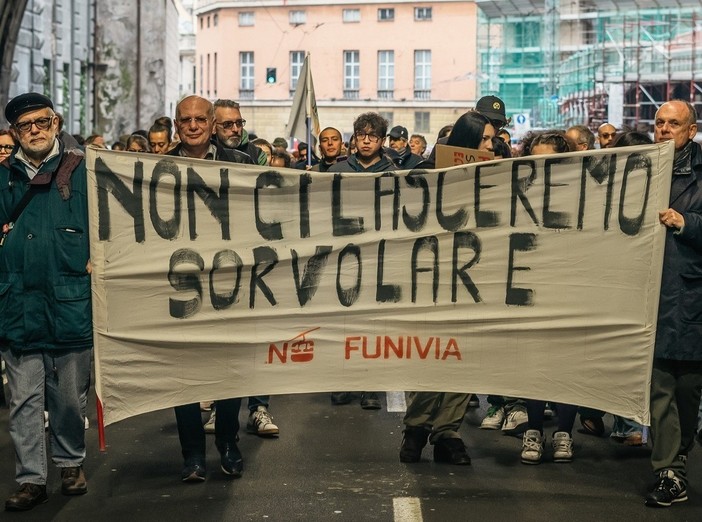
606	134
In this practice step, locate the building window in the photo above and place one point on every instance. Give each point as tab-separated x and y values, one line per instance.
422	75
386	74
527	34
386	14
202	21
202	68
421	121
246	18
208	22
349	16
297	58
422	13
352	74
215	75
246	75
297	17
208	75
215	19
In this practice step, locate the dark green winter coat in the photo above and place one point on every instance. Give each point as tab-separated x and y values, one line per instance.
44	285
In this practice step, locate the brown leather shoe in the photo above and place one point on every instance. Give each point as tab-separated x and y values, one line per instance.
73	481
26	497
634	439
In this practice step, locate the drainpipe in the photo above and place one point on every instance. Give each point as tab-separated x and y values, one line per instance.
138	67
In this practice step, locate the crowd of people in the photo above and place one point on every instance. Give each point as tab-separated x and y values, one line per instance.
46	325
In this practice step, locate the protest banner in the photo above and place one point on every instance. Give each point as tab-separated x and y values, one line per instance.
532	277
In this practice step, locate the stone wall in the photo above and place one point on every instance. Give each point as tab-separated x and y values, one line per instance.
133	57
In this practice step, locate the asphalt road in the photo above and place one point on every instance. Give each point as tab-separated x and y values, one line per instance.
340	463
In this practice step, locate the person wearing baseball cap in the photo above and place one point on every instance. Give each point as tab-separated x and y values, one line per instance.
46	342
399	151
494	108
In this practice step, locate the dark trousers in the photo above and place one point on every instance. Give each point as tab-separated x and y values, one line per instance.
566	415
675	402
192	433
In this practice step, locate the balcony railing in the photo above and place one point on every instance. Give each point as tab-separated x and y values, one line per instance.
386	95
350	94
422	94
246	94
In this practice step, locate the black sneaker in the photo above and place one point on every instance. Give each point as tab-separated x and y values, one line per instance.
370	401
413	441
668	489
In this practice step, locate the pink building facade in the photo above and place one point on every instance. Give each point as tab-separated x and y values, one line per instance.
415	63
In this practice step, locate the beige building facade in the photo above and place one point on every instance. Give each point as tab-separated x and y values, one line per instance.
415	63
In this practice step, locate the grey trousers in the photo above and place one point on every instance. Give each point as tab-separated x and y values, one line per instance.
675	400
440	412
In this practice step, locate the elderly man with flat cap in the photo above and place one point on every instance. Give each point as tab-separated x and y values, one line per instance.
45	310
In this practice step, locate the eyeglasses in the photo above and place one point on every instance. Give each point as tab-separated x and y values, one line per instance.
41	124
229	124
373	138
606	135
201	121
6	148
137	150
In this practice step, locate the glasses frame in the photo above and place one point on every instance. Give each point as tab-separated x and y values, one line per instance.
231	123
200	121
373	138
42	123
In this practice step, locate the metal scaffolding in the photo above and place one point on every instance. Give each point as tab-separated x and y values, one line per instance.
591	61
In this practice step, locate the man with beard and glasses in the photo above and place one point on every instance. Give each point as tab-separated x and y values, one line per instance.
229	127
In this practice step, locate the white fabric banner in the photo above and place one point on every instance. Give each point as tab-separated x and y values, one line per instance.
533	277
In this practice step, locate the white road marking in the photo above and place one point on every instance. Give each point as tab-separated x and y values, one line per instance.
396	401
407	509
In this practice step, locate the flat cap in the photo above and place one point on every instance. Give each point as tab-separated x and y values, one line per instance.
27	102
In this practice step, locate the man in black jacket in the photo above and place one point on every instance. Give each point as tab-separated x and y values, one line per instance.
401	154
369	130
676	381
195	121
330	142
230	132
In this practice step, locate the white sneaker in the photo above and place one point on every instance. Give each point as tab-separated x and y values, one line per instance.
261	423
562	447
494	419
532	447
516	420
210	424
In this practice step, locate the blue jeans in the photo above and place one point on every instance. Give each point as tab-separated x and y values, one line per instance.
259	400
60	379
622	428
